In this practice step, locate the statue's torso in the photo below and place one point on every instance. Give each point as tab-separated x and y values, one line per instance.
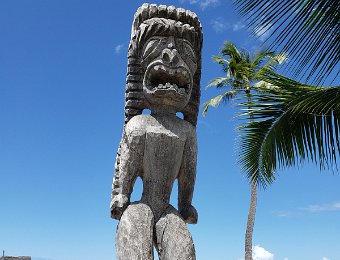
164	139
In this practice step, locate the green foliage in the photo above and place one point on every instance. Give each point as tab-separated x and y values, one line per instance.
306	29
214	102
293	122
242	70
290	122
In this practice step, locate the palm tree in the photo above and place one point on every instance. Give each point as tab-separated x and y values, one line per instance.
242	71
289	121
293	122
307	30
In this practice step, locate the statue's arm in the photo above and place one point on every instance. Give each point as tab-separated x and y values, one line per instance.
128	167
186	179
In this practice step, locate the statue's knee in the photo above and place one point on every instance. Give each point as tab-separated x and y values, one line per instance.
173	239
136	221
134	238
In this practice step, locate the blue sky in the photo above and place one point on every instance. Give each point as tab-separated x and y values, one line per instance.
62	83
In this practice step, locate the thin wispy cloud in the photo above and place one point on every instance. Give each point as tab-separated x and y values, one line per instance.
119	48
238	26
207	3
314	208
189	1
219	25
325	258
203	4
285	213
322	207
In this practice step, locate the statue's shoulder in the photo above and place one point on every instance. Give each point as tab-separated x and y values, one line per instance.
186	130
138	123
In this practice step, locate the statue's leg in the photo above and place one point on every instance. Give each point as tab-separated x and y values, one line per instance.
134	238
173	240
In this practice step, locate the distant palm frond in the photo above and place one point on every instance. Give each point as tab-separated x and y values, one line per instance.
242	68
214	102
219	82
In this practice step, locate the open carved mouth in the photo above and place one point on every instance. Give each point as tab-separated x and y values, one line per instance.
161	78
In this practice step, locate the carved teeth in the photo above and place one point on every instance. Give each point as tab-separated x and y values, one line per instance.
163	78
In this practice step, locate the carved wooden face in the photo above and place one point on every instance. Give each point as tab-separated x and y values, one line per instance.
169	64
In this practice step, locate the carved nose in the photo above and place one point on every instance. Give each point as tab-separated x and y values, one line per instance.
170	56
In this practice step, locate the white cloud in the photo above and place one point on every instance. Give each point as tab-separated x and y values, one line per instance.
238	26
202	3
325	258
286	258
322	207
219	25
119	48
259	253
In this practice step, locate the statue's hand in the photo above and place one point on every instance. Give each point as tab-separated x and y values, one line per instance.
118	204
189	214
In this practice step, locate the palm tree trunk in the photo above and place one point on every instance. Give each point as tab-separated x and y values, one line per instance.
250	222
253	197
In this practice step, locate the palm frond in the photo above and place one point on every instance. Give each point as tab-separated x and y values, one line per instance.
220	60
262	54
265	87
289	129
229	49
219	82
306	29
296	88
275	61
214	102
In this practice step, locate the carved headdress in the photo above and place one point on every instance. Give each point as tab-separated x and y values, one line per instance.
152	20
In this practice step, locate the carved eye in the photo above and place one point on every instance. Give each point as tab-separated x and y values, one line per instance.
150	46
188	51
